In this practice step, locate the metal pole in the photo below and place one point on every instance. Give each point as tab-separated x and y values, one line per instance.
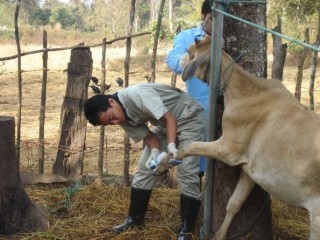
216	46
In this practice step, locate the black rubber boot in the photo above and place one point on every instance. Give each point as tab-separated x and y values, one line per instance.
189	209
139	200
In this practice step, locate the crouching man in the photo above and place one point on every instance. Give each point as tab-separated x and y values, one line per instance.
178	120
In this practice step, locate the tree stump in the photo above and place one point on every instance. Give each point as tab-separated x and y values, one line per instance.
17	212
69	159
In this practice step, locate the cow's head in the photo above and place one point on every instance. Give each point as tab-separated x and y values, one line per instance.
199	60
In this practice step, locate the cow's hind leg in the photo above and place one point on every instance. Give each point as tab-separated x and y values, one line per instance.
315	222
238	197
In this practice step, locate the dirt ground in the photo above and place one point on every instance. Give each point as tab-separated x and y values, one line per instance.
140	66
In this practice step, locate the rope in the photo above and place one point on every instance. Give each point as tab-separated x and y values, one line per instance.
68	194
70	191
223	85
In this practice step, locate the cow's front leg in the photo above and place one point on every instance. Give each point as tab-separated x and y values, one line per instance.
207	149
238	197
225	151
314	213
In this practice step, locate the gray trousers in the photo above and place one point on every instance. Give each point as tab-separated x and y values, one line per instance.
188	171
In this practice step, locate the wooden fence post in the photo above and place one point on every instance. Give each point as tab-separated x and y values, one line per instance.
102	128
17	212
17	37
279	53
301	63
126	159
69	159
43	104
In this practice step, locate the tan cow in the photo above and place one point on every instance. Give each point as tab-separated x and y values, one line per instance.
267	132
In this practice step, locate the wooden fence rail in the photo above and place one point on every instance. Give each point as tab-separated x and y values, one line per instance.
80	45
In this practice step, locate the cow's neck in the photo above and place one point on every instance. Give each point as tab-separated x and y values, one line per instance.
238	82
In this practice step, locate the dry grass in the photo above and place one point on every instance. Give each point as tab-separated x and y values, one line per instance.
96	207
289	222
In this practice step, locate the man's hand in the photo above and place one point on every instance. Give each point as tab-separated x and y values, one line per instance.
184	60
172	149
152	160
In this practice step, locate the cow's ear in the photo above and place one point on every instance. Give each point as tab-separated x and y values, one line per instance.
196	66
189	70
204	66
207	77
203	72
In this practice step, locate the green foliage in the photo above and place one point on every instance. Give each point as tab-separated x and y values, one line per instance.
64	17
164	34
7	9
80	12
188	14
293	10
106	174
6	33
296	16
143	13
41	17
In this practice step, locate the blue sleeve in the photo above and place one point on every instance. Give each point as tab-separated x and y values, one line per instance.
180	45
179	48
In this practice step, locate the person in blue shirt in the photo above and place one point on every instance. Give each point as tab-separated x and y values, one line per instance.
178	57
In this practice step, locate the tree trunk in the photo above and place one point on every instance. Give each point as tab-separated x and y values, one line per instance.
174	75
279	53
254	219
17	212
303	57
73	123
153	11
155	43
170	16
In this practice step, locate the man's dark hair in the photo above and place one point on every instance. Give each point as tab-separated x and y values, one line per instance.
206	8
94	105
